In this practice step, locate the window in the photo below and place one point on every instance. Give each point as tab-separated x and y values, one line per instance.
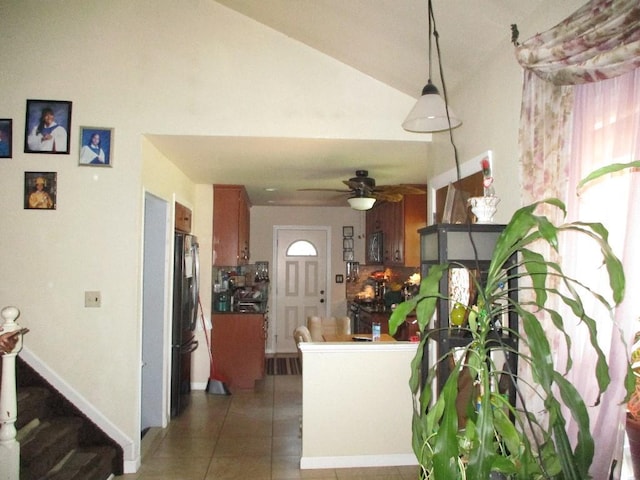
302	248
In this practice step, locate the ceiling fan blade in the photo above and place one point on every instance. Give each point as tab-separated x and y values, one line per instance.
387	196
401	189
322	190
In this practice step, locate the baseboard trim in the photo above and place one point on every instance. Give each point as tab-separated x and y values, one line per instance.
393	460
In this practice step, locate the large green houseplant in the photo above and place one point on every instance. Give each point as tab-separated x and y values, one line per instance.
498	439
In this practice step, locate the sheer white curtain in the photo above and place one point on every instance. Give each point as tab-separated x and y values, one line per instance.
606	129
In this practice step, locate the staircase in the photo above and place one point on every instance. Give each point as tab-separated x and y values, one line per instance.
57	442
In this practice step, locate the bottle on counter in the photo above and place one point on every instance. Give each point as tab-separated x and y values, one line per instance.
375	331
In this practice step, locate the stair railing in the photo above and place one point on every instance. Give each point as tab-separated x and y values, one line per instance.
9	446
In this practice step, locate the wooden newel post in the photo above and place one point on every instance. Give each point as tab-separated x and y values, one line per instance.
9	447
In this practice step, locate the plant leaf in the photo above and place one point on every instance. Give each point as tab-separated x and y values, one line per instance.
612	168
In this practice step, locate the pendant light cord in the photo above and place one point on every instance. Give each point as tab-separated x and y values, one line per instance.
433	30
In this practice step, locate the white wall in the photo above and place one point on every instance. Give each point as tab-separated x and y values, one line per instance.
489	105
144	67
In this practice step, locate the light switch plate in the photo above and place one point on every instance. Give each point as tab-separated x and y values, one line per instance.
92	299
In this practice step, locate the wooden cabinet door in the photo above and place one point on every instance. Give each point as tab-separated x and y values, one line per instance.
399	223
395	232
230	225
182	218
238	348
373	225
243	230
414	218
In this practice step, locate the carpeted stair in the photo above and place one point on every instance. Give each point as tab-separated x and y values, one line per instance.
56	441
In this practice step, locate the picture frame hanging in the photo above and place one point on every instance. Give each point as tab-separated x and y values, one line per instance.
47	126
6	137
96	146
40	190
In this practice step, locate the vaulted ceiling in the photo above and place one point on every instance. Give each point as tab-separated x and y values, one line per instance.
386	40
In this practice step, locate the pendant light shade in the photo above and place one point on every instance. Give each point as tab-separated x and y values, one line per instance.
429	114
361	203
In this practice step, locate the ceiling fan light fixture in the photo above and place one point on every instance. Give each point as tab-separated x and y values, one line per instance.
361	203
429	114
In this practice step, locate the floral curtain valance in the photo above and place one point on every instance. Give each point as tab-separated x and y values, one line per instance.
600	40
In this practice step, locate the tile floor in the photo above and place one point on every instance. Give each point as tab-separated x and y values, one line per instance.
244	436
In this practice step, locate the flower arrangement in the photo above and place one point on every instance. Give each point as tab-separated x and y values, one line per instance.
487	177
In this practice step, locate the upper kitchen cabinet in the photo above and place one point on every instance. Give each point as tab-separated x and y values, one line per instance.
182	218
399	223
230	225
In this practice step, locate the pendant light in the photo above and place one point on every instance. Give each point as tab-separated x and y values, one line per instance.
431	113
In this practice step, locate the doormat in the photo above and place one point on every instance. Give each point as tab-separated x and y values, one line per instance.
283	366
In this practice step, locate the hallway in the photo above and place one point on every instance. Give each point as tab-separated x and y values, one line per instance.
244	436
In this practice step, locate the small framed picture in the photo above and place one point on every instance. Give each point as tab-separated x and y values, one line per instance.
6	137
40	190
96	144
347	232
347	255
347	243
47	126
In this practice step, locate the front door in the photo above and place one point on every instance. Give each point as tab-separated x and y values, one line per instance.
301	281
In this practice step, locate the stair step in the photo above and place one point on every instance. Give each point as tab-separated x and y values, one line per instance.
33	402
94	463
47	444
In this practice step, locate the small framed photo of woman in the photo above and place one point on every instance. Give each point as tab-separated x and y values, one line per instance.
40	190
96	144
48	125
6	137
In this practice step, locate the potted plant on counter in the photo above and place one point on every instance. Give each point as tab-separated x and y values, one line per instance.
499	440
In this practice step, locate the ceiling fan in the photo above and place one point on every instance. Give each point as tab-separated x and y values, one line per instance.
364	192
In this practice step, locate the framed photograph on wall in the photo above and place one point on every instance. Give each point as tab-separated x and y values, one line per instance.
6	137
40	190
347	231
47	126
96	144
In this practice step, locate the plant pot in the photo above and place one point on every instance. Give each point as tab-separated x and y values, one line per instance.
633	433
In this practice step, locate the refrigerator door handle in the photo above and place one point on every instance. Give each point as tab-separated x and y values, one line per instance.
196	285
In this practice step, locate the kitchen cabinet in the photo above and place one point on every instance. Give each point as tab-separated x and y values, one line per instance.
238	348
399	223
182	218
231	230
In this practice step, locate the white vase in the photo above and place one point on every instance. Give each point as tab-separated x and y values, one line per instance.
484	208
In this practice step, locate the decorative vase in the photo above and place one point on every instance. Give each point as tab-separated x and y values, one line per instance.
484	208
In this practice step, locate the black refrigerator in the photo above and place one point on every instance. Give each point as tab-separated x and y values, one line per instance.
186	270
